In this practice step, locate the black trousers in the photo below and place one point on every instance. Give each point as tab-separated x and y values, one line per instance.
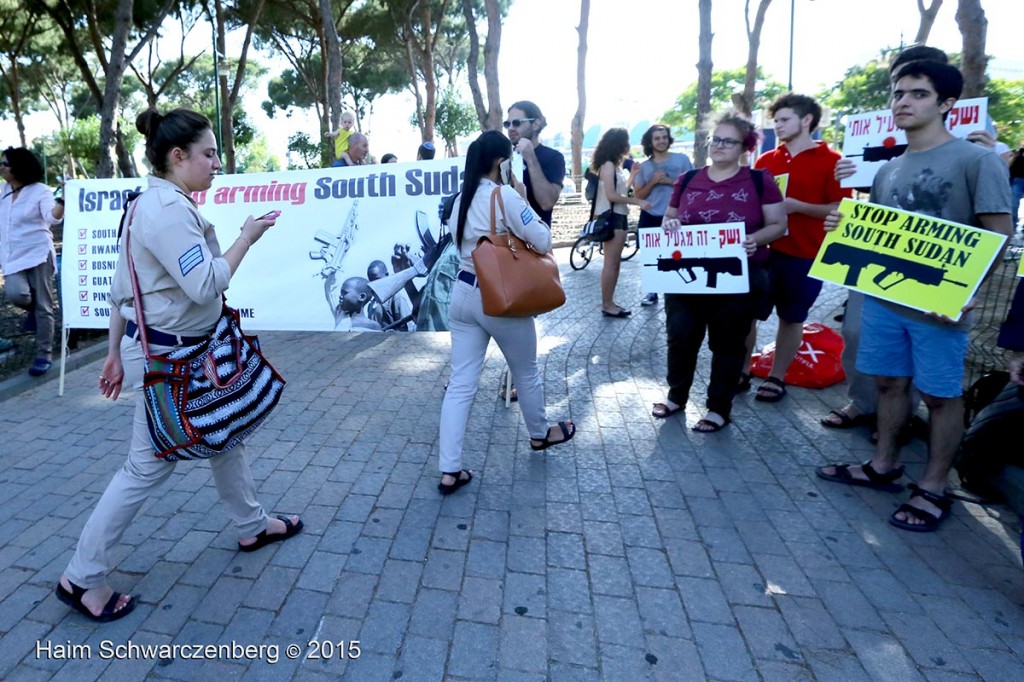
725	319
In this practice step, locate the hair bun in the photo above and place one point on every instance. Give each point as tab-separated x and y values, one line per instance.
148	121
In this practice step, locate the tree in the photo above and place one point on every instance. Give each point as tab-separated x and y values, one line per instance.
927	19
489	115
683	116
1006	107
745	102
419	25
22	38
864	87
88	23
970	17
332	47
581	90
455	117
704	74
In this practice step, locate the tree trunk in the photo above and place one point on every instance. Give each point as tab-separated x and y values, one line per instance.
581	90
970	17
227	126
704	65
13	93
471	68
229	97
491	47
335	74
125	160
427	62
927	20
746	104
112	88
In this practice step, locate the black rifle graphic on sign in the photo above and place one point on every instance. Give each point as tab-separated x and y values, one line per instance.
856	259
713	266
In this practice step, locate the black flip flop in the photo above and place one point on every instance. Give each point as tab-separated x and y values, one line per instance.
622	313
547	442
108	615
714	427
263	538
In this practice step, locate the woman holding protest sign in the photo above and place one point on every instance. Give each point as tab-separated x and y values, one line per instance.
471	328
725	191
181	276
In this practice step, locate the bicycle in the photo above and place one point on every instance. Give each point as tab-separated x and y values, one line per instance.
583	249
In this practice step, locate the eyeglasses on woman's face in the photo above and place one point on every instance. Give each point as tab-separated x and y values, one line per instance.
516	122
726	142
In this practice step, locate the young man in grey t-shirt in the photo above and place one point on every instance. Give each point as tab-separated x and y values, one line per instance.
655	178
956	181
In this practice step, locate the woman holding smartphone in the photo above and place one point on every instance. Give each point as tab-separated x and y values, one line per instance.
472	329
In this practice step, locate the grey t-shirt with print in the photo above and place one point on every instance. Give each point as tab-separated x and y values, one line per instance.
955	181
674	166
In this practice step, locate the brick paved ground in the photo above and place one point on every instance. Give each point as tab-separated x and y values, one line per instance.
640	551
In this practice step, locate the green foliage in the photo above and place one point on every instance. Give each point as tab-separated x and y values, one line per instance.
1006	107
255	157
683	115
303	152
454	117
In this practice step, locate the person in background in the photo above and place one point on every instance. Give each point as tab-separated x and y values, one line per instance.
544	168
426	151
655	178
611	150
27	257
389	158
182	275
472	329
341	137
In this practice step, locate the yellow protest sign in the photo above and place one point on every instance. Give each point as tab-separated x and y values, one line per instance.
913	259
1020	267
783	182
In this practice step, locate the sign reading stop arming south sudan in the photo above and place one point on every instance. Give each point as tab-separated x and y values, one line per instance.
872	138
909	258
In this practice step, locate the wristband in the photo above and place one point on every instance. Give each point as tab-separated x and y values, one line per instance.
241	236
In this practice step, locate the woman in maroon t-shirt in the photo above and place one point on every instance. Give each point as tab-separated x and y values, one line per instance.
723	192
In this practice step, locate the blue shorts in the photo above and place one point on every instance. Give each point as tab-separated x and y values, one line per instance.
894	345
793	292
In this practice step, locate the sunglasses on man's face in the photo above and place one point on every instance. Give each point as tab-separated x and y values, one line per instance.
516	122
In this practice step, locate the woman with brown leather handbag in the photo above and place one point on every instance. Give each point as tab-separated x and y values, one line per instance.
472	329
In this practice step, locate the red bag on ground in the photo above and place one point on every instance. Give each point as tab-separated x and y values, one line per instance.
817	364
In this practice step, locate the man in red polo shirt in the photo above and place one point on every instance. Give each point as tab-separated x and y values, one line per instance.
811	192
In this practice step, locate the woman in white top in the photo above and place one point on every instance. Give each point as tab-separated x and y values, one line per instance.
182	274
472	330
612	194
27	257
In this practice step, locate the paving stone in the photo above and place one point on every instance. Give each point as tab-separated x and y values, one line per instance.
722	651
474	651
525	595
524	644
480	600
661	613
433	614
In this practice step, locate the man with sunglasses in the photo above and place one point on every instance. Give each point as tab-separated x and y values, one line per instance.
544	167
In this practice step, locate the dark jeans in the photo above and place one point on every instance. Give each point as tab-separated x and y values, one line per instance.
726	319
649	220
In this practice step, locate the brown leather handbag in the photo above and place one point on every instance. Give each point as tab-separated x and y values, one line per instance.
514	280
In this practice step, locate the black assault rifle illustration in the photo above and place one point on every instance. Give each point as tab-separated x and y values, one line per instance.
856	259
713	266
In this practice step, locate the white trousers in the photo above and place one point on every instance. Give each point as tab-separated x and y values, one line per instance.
471	331
141	474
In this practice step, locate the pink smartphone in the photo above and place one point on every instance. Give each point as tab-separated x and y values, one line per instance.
272	215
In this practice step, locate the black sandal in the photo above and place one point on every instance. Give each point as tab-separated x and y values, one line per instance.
108	615
874	480
771	391
931	522
744	384
547	442
459	481
263	538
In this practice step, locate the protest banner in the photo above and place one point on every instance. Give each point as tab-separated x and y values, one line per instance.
698	259
916	260
872	138
334	223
